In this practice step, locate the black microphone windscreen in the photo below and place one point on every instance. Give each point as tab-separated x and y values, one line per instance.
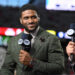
72	26
24	36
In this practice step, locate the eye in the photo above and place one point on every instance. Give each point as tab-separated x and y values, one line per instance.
34	17
26	18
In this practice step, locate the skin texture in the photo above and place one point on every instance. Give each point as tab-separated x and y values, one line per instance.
29	19
70	49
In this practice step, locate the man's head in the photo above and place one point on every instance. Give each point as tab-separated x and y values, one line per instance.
29	17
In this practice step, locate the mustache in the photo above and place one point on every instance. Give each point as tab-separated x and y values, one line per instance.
31	23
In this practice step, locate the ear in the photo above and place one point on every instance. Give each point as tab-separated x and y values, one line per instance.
20	20
38	18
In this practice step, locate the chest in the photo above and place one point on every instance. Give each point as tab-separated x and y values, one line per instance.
39	50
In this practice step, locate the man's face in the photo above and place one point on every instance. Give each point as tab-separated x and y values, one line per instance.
29	19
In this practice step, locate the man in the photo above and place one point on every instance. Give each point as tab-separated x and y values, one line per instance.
70	50
45	56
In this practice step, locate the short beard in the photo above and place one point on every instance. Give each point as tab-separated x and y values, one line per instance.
30	31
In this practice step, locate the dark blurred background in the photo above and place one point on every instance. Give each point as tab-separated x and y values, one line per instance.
50	19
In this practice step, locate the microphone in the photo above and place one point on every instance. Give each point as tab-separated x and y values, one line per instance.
25	42
71	33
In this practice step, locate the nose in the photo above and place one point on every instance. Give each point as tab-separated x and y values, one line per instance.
30	20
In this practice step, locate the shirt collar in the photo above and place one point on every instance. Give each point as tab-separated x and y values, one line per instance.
33	33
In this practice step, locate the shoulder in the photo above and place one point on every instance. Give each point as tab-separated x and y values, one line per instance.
15	38
49	35
43	33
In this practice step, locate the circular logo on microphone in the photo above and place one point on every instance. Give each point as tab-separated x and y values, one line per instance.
26	42
70	32
20	41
